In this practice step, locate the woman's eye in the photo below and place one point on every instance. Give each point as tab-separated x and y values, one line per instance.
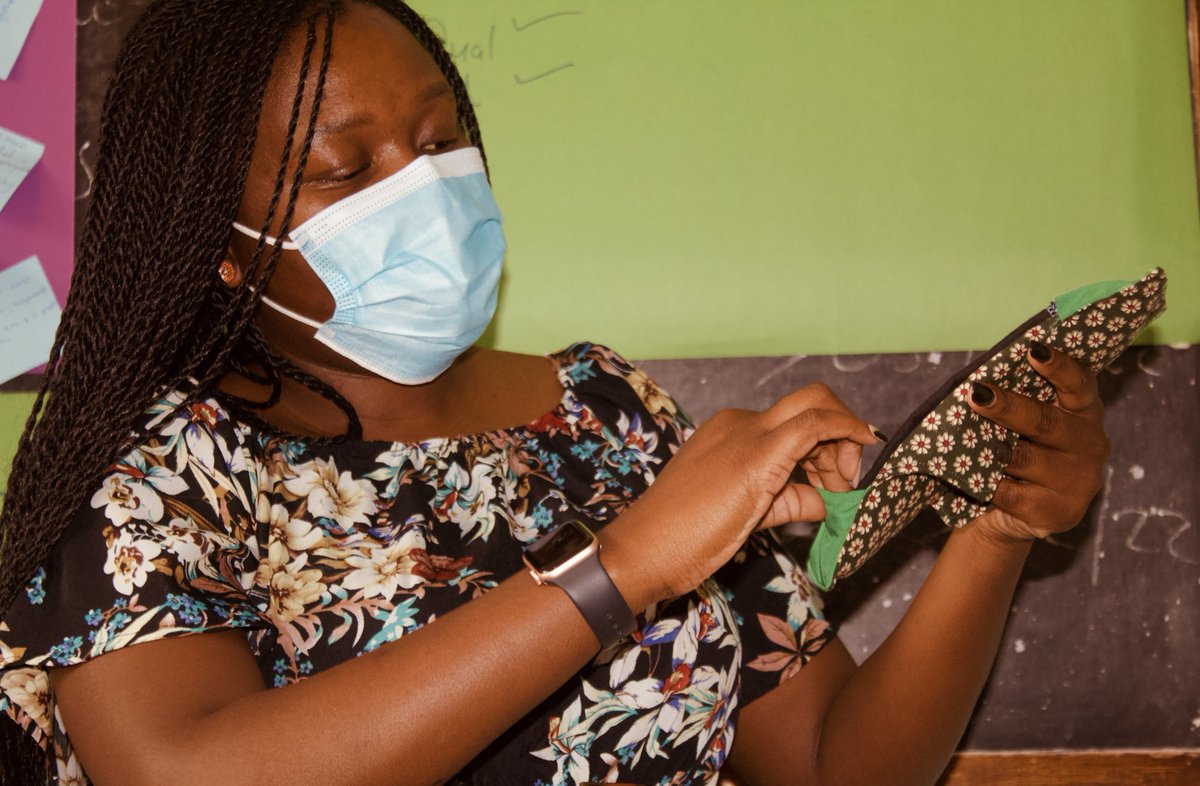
440	145
336	176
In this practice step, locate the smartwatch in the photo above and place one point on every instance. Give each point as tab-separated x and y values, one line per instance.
568	557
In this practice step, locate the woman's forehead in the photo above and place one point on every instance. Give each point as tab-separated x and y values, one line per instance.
374	59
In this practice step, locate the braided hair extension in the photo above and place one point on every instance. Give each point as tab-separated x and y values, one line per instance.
147	312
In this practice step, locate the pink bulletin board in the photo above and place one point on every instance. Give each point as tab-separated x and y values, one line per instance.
38	101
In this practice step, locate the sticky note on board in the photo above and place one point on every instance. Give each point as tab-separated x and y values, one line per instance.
18	154
29	316
16	17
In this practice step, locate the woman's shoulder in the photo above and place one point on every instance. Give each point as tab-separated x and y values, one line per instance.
590	369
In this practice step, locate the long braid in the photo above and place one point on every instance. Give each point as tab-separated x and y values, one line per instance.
146	312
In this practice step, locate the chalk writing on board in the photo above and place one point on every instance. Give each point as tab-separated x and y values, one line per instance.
89	169
108	12
29	316
1156	530
18	154
1147	530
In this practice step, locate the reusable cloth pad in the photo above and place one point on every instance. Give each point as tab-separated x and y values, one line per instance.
949	458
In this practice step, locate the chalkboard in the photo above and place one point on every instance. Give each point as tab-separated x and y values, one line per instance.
1101	647
751	168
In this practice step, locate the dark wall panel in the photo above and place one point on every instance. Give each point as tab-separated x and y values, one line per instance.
1102	647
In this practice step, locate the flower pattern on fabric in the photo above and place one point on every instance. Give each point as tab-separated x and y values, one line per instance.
960	487
320	555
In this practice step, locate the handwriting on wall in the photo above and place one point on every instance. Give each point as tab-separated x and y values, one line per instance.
504	45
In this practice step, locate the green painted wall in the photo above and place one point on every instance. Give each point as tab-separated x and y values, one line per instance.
695	178
768	177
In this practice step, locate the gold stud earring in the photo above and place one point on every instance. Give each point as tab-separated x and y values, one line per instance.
229	274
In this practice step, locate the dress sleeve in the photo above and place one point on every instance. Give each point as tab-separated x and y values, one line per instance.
167	545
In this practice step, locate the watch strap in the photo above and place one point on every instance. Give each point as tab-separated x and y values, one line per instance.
599	601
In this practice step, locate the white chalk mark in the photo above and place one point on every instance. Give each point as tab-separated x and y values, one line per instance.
779	370
87	170
854	363
1097	552
1019	645
1137	472
935	358
1143	517
1141	364
914	363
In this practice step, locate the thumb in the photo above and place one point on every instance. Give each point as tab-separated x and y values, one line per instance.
795	502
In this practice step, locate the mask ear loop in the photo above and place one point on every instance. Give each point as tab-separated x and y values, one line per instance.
286	245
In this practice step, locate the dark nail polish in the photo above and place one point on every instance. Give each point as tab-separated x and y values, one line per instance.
981	394
879	434
1040	352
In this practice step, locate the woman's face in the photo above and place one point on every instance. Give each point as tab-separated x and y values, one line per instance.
385	103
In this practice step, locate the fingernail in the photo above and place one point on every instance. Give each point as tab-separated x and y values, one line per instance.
981	394
879	435
1040	352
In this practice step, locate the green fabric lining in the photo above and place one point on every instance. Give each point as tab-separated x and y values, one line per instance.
840	509
1067	304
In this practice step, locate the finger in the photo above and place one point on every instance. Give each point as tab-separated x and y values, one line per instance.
821	467
795	502
1043	510
1045	424
1036	464
795	438
849	461
1074	383
815	396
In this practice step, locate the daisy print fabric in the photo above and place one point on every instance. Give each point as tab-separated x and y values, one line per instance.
951	459
319	554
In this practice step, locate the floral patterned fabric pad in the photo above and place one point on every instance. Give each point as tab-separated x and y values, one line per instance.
320	554
949	458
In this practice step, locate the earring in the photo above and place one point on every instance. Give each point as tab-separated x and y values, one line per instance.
229	274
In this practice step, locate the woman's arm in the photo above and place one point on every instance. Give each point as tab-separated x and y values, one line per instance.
897	719
195	710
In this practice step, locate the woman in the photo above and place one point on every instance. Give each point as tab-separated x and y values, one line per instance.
295	448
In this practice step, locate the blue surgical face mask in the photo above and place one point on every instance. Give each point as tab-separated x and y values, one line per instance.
413	264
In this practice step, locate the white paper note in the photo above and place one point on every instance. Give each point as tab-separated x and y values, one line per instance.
29	315
16	17
18	154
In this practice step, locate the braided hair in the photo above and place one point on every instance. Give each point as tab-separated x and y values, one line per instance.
147	312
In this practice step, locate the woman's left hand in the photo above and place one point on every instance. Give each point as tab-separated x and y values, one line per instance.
1055	469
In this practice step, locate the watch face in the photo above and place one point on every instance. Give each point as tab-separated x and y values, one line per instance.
555	548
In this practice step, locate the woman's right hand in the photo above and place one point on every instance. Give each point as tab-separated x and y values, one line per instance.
730	477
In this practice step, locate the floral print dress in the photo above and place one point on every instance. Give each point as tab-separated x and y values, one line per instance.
321	554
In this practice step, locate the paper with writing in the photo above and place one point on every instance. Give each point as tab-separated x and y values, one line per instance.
29	315
16	17
18	154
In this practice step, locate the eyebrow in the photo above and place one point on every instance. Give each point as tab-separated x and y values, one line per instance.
340	124
429	93
434	90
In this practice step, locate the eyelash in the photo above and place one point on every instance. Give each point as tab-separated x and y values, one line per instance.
336	178
441	144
